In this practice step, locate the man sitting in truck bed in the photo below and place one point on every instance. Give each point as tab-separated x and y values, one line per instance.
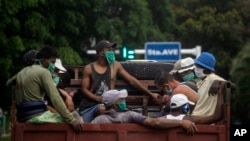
32	83
179	107
166	82
99	77
116	112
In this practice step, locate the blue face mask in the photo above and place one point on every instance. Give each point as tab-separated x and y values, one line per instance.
188	77
185	108
122	106
110	56
169	92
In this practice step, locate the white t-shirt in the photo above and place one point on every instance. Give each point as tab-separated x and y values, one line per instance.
179	117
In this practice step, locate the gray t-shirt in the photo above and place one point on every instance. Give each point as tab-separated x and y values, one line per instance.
111	116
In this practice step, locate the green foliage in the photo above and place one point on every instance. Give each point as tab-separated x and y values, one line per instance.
69	56
241	77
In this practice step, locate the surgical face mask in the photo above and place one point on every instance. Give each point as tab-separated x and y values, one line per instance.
169	91
56	80
188	76
122	106
51	67
110	56
199	72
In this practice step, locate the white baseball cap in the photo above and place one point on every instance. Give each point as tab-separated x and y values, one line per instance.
182	65
178	100
58	64
111	96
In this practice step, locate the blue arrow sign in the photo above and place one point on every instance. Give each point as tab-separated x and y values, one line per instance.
163	51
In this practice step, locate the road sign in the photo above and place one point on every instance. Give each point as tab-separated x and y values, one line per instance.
163	51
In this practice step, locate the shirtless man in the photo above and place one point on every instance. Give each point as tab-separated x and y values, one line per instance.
100	76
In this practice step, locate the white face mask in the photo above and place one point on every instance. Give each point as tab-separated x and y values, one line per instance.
199	72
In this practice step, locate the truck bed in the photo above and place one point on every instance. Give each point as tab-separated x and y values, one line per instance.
124	132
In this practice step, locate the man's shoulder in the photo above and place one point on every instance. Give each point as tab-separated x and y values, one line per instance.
40	69
184	86
191	85
89	64
214	76
87	68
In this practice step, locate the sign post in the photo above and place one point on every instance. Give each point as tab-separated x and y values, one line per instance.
163	51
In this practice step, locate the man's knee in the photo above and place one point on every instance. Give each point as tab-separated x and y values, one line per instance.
100	109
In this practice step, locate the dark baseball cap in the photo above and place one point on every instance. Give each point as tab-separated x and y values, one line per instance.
103	44
29	57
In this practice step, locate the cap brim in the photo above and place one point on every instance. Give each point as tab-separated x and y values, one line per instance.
191	103
61	68
61	71
186	69
172	71
123	93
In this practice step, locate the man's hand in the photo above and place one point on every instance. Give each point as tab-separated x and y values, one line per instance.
69	103
164	100
77	126
156	96
189	126
216	87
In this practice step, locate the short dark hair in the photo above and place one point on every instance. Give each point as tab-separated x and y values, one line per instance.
65	78
163	77
47	52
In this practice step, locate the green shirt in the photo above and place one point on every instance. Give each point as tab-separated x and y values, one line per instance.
33	82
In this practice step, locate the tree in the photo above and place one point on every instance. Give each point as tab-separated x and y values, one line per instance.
240	76
217	27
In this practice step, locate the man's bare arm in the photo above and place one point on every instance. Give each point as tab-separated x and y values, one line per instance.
86	85
167	123
134	82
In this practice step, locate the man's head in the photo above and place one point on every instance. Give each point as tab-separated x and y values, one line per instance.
105	49
183	69
104	44
64	80
115	99
163	82
183	65
204	64
180	101
47	57
29	57
206	60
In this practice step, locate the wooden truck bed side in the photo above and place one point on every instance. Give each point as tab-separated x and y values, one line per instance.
114	132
